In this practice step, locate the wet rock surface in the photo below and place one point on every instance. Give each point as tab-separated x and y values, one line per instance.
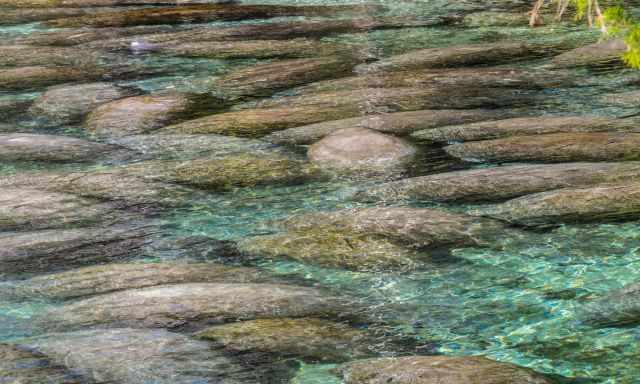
21	365
96	280
144	114
525	126
307	338
50	148
500	183
204	191
137	356
193	305
600	203
557	147
70	104
438	369
359	149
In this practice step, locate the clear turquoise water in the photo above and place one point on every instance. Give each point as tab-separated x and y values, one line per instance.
514	301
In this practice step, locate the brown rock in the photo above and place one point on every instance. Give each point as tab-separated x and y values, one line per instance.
23	78
144	114
439	369
266	79
362	150
458	56
501	183
598	54
400	123
608	202
97	280
20	365
192	304
523	126
555	147
198	14
51	148
68	104
311	339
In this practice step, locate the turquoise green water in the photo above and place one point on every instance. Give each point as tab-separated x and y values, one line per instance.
514	301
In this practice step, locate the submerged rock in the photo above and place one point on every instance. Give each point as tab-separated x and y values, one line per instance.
20	365
199	14
140	356
452	77
457	56
96	280
609	202
501	183
242	170
522	126
30	15
362	150
372	239
603	53
259	119
75	36
494	19
52	148
253	49
106	185
192	146
439	369
311	339
400	123
28	55
68	104
266	79
100	3
23	78
192	305
56	250
618	308
12	108
625	99
29	209
275	30
144	114
554	147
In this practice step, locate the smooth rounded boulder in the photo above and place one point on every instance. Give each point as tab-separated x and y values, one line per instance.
54	149
192	306
361	150
552	148
437	370
68	104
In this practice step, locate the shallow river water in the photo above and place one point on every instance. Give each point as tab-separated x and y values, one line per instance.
514	299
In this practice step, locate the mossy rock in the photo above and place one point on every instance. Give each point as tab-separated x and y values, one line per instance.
225	173
311	339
